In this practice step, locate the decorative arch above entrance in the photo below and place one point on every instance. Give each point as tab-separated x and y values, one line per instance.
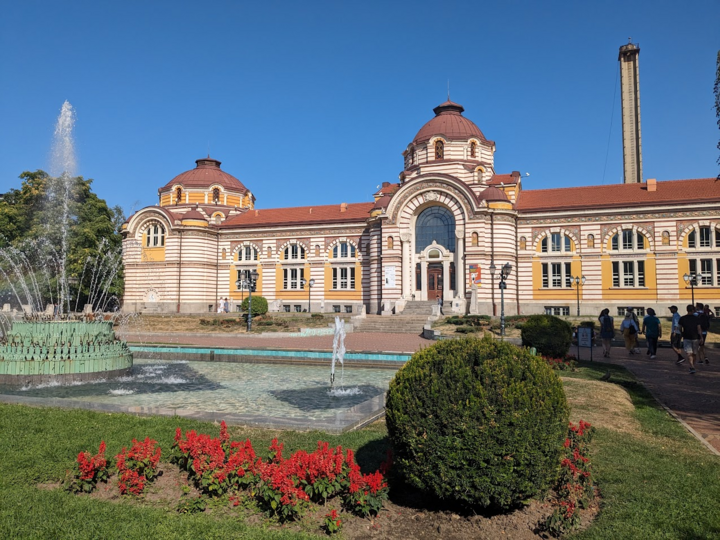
435	224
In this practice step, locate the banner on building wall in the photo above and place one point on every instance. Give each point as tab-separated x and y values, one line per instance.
474	273
390	276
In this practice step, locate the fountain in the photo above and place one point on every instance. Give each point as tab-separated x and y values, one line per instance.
338	349
43	340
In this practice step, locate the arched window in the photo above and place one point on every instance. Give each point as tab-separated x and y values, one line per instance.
155	236
343	250
435	224
317	250
216	195
556	243
523	242
390	242
474	239
224	253
702	238
473	149
590	240
413	156
178	195
269	252
665	238
294	252
628	240
439	150
247	253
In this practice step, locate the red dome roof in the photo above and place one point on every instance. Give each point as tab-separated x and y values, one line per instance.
205	174
493	194
450	123
193	214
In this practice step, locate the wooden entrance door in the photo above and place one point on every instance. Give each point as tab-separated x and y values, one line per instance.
435	281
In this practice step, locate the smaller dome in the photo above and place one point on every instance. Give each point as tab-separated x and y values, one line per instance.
493	194
383	202
193	215
450	123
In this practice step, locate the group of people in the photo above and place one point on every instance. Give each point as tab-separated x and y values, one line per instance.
687	336
223	306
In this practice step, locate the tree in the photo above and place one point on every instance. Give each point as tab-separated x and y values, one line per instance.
47	214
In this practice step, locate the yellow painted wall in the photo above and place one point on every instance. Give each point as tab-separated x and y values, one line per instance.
343	294
155	254
550	293
233	292
292	294
622	294
194	197
165	199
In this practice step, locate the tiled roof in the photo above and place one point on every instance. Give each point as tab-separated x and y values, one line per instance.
506	179
450	123
619	195
302	215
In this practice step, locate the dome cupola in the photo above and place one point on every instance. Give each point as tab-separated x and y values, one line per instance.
450	124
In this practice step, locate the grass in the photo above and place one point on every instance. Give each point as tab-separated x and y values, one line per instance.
656	480
38	445
283	322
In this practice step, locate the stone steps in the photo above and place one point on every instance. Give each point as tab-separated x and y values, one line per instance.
395	324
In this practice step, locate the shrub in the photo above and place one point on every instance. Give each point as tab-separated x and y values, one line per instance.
259	305
465	330
550	335
477	422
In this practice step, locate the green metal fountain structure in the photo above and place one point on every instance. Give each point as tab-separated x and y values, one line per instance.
63	351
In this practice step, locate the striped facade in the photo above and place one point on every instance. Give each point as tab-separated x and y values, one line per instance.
437	233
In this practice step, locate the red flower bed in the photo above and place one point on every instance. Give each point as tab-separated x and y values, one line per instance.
575	487
137	466
89	470
283	487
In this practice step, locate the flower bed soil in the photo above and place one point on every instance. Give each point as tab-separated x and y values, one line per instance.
405	515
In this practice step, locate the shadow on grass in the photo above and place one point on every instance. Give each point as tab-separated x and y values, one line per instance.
594	371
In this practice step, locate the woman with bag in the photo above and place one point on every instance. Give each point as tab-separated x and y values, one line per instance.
607	330
629	330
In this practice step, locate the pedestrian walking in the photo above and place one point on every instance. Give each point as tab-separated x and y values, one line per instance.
653	331
629	329
704	321
630	310
675	335
692	335
607	331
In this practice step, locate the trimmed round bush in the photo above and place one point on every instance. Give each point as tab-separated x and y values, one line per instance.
477	422
550	335
259	305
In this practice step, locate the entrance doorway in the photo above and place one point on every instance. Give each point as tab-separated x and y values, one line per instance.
435	281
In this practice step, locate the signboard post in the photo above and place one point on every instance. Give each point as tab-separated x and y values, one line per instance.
584	339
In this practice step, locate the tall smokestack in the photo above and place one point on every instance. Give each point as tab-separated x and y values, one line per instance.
630	97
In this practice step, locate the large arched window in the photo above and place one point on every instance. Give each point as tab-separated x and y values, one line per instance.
155	236
435	224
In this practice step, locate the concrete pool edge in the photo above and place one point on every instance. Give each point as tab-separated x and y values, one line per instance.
354	418
362	359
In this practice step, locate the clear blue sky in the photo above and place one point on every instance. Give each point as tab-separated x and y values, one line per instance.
313	102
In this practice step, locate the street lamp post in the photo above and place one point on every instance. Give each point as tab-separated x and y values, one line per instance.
578	281
492	269
251	286
692	280
310	285
504	273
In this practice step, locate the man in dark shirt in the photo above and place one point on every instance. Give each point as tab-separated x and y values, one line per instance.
692	335
704	321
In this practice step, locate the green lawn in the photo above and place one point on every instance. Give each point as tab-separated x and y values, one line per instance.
657	483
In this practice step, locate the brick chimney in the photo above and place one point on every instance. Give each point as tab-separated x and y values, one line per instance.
343	207
651	184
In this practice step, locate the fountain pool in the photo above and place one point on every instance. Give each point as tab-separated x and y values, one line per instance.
269	395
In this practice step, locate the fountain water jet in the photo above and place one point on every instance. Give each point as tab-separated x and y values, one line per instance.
46	348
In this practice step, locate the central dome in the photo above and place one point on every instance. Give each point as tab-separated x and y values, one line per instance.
450	123
205	174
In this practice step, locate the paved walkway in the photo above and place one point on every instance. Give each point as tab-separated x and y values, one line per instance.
693	399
